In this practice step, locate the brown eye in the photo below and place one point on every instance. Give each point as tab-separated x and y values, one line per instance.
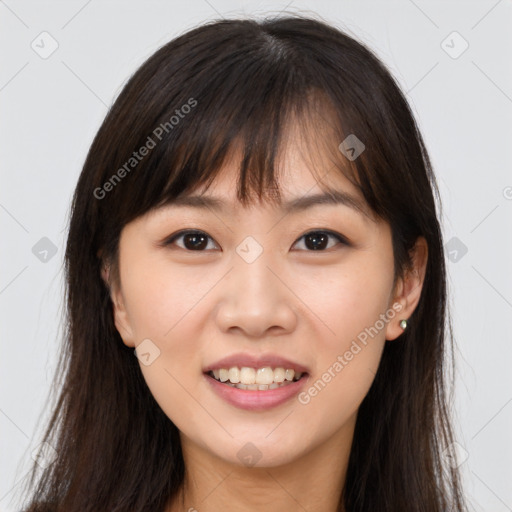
320	240
191	240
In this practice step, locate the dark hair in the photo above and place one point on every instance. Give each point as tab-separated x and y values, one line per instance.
242	86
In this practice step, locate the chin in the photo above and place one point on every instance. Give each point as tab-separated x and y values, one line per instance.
258	450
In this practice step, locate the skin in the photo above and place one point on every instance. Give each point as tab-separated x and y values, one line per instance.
306	305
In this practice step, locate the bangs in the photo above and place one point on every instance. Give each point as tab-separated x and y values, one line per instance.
192	107
257	144
248	106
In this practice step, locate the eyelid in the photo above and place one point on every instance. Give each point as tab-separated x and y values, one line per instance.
341	238
171	239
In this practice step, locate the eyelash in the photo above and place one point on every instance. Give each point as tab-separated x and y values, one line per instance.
340	238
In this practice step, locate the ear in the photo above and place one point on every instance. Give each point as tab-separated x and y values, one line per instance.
407	290
121	317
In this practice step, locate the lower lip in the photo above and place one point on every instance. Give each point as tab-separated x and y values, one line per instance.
255	400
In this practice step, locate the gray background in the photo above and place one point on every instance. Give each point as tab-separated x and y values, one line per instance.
51	108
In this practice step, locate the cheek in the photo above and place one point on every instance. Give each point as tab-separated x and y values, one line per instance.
351	306
162	297
165	304
348	300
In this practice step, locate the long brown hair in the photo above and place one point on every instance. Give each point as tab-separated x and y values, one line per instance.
226	85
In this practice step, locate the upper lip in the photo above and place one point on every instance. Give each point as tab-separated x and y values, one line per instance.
256	361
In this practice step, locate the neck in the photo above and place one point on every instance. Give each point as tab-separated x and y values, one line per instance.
313	481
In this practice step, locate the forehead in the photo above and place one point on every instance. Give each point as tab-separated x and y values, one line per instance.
255	173
300	185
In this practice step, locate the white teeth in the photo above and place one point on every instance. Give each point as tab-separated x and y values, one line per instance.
256	378
265	375
279	375
234	375
289	374
247	375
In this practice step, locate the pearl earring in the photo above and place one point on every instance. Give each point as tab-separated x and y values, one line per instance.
403	324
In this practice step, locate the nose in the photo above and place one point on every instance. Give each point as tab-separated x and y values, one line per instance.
255	300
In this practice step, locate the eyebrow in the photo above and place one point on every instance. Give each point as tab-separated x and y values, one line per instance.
333	197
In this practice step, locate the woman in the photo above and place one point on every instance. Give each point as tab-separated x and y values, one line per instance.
256	222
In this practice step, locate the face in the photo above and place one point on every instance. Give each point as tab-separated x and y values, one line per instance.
298	301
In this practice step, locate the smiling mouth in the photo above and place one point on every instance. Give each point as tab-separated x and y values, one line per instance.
256	379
